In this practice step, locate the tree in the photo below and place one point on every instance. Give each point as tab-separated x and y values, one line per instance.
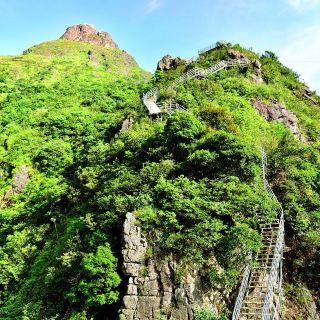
99	284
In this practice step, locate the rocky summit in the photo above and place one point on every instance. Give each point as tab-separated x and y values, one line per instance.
88	33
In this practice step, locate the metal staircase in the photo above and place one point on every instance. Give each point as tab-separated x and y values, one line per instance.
260	294
150	98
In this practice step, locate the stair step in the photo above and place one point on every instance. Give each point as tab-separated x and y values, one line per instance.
271	227
249	314
255	298
259	307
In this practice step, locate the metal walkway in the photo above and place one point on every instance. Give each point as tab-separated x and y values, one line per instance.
260	293
150	98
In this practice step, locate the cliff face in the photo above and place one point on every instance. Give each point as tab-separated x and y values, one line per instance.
159	285
88	33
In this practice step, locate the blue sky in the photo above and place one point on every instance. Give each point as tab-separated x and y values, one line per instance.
149	29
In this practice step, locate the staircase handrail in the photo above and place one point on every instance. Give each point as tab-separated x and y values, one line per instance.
241	293
266	311
195	72
278	252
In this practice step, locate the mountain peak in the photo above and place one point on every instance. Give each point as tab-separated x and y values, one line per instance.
88	33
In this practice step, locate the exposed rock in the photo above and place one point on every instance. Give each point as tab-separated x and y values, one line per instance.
93	57
20	179
307	310
127	124
257	76
234	54
308	95
8	195
88	33
274	111
257	64
154	284
168	62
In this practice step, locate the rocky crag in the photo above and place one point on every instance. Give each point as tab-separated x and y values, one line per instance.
88	33
275	111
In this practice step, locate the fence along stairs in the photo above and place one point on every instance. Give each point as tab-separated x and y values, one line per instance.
260	293
150	98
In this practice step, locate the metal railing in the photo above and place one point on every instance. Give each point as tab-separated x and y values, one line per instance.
274	277
242	293
206	49
152	95
270	311
171	107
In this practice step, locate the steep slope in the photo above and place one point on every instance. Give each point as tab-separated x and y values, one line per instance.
78	152
57	101
277	95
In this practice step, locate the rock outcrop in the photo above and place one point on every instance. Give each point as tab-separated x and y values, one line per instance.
257	75
127	124
275	111
93	57
20	180
168	62
308	94
234	54
158	285
307	311
88	33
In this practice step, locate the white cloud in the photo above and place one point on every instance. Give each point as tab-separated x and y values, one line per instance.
301	52
153	5
303	4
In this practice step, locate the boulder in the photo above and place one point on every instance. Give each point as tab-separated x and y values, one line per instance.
20	179
256	64
257	76
234	54
168	62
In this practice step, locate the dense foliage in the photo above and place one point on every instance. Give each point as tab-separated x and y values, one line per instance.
193	179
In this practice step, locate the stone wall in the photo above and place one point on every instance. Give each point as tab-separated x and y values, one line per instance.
160	285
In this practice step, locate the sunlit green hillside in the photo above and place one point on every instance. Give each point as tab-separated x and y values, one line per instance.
69	174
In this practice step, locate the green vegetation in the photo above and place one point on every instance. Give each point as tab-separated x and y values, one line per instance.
206	314
194	179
